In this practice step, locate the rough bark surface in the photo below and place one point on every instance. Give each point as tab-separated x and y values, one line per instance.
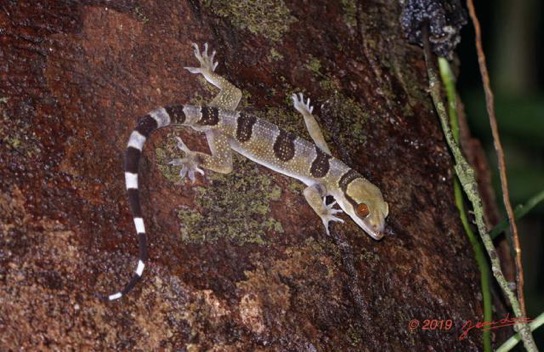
238	262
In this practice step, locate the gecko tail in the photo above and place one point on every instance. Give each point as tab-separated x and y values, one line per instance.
156	119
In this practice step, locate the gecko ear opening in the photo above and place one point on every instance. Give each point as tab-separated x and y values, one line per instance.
362	210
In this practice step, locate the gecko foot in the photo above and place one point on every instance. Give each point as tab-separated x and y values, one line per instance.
328	214
189	164
300	105
207	65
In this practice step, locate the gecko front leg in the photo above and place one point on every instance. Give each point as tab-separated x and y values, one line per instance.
315	196
305	109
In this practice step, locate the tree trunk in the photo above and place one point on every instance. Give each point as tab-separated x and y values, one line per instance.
238	262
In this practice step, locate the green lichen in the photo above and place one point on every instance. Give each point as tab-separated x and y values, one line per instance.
210	91
350	12
296	187
275	55
351	117
369	257
16	133
289	120
314	65
140	15
323	249
346	112
167	152
235	207
269	18
354	335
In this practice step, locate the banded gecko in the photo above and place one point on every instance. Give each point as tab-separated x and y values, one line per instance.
262	142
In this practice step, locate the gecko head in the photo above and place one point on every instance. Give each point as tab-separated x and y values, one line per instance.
364	203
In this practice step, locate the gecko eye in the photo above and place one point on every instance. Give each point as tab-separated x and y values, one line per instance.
362	210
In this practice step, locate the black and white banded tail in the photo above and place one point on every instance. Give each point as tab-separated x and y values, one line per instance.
158	118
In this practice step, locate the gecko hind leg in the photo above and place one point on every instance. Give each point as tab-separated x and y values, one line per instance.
228	98
189	164
219	161
229	95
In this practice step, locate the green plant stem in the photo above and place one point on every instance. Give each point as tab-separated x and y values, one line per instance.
513	341
449	84
469	185
480	260
519	212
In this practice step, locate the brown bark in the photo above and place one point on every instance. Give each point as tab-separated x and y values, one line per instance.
256	271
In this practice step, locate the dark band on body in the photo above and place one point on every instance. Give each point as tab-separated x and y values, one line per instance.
210	116
244	128
320	166
284	146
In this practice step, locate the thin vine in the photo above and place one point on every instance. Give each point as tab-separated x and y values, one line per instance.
465	173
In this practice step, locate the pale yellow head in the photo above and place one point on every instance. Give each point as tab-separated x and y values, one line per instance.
364	203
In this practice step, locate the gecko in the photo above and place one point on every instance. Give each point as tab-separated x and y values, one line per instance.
261	141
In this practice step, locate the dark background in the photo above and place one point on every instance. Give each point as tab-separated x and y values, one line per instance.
512	37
